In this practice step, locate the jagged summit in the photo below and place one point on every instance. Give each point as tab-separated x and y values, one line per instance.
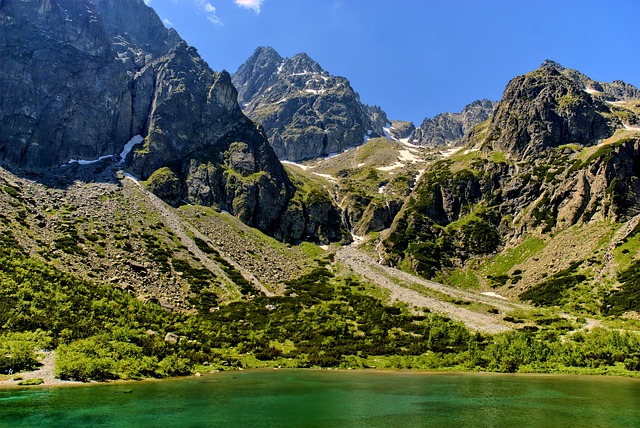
556	162
302	64
305	111
545	109
449	128
256	74
614	91
549	63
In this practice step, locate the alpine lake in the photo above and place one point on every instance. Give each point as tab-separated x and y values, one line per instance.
324	398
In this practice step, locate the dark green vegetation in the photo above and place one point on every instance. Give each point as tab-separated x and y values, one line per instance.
103	333
627	298
426	237
551	291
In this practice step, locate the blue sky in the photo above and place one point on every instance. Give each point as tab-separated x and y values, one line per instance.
418	58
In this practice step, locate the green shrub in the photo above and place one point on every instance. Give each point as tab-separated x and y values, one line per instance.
32	381
18	350
627	298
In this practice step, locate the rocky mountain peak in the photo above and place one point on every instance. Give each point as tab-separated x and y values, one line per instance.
302	64
614	91
257	73
548	63
305	111
107	75
545	109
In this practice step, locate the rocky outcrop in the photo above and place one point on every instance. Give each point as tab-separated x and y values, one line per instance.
448	128
614	91
305	111
545	109
401	129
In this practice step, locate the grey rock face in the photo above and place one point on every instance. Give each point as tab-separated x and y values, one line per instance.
66	77
448	128
305	111
257	73
545	109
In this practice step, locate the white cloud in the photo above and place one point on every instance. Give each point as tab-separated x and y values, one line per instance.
214	19
250	4
209	10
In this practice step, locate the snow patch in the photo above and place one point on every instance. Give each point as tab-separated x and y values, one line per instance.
360	165
357	238
492	294
382	189
136	139
591	91
89	162
450	152
466	152
327	176
305	168
302	167
315	91
631	128
615	102
408	155
390	167
388	134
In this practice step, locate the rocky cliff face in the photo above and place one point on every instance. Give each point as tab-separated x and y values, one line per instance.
306	112
545	109
80	78
547	160
448	128
66	77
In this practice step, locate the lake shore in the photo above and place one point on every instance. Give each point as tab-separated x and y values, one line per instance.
46	373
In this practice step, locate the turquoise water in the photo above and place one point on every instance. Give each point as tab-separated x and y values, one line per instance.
281	398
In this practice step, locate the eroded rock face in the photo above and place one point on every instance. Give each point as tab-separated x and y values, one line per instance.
305	111
66	77
80	78
448	128
545	109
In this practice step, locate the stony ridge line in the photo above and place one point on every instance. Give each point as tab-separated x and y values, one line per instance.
177	225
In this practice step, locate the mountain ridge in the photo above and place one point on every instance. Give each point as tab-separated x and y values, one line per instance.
306	112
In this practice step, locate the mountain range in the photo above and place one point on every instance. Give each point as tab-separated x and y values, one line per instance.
270	216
